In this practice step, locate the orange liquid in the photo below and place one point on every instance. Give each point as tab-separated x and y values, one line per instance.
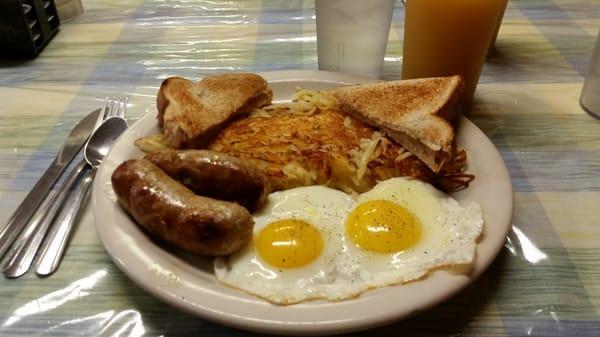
498	23
449	37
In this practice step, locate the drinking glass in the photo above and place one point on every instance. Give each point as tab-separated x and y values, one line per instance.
352	35
449	37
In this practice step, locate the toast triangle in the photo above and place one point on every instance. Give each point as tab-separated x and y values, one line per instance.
415	113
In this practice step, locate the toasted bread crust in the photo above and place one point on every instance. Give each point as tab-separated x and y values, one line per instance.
190	114
415	113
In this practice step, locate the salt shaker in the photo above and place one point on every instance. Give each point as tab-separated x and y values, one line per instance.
590	94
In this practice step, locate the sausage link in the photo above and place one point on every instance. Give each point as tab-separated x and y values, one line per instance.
170	211
215	175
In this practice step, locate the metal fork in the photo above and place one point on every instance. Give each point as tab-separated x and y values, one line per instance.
26	246
54	247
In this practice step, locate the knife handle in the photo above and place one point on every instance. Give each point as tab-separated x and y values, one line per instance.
19	219
21	255
28	206
56	242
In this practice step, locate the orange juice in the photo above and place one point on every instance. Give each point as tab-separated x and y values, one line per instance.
449	37
497	30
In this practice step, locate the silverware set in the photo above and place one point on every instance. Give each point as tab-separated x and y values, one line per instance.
40	228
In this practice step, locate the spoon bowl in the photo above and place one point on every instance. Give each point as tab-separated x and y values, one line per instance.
102	139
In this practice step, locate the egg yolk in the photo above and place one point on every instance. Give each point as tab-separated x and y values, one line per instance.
381	226
289	243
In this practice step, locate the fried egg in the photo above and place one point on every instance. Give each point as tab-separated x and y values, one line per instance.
403	228
318	243
297	240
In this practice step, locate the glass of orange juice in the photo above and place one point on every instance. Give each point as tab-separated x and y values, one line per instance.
449	37
497	29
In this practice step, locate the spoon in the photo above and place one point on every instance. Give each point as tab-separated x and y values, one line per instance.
96	149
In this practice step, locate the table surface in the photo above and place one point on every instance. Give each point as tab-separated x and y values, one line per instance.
545	282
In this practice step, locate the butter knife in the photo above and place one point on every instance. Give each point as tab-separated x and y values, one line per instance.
75	141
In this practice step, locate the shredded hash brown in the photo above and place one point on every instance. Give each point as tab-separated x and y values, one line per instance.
311	142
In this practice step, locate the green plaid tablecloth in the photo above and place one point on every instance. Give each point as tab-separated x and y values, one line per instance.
546	282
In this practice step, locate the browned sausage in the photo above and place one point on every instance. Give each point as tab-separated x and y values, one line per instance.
215	175
172	212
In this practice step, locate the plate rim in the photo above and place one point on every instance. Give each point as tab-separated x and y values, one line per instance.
278	326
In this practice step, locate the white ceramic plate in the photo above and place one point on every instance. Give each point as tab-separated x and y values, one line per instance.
187	282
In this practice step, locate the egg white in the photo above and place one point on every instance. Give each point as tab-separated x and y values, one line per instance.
449	233
343	270
322	207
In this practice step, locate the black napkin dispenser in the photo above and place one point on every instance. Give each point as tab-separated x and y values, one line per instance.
26	26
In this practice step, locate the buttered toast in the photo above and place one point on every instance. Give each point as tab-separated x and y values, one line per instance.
415	113
190	114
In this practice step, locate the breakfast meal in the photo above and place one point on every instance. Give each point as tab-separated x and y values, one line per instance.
311	141
323	197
